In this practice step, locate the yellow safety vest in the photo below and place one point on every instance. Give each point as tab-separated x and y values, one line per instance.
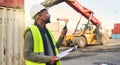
38	44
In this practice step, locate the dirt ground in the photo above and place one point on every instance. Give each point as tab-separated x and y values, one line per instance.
108	54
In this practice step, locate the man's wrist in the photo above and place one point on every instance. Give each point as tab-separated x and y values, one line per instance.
61	36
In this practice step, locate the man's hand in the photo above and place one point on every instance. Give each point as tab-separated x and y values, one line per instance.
53	59
63	32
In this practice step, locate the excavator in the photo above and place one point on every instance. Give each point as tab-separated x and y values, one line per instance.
87	34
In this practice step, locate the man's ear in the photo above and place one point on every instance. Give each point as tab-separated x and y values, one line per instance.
40	14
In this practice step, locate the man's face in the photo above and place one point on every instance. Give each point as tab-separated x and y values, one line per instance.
45	16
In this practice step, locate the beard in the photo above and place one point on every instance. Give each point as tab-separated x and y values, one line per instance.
47	20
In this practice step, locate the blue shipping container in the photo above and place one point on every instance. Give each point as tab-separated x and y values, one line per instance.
115	36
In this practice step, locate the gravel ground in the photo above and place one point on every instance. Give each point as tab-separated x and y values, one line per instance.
108	54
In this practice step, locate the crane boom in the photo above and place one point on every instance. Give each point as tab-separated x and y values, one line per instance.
76	6
84	11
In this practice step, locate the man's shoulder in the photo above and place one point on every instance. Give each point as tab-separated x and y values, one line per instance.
27	31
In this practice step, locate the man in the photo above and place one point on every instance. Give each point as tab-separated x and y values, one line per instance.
40	47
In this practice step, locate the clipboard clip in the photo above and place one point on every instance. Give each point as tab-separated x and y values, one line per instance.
74	48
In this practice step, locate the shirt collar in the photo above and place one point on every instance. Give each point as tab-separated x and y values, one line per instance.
42	29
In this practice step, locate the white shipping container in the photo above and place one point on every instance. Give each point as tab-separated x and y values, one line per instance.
11	32
2	57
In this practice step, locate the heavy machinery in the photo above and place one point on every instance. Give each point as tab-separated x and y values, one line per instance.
88	34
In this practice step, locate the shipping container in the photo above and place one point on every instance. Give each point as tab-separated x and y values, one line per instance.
115	32
116	29
12	3
12	23
117	25
115	36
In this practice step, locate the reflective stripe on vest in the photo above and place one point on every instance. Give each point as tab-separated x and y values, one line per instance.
38	44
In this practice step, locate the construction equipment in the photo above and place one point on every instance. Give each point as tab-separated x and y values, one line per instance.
83	36
88	34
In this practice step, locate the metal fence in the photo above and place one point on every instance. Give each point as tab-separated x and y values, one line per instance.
11	33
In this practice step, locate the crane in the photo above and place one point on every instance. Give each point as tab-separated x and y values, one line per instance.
88	35
76	6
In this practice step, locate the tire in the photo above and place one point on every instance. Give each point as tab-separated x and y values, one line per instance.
81	41
103	40
75	40
70	43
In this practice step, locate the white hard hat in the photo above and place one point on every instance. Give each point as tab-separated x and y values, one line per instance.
35	9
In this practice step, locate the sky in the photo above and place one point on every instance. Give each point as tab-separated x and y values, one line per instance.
107	11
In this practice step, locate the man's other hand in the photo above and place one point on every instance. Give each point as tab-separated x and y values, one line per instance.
53	59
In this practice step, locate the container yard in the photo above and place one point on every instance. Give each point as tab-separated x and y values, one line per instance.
97	45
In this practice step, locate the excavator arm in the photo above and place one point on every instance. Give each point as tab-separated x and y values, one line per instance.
76	6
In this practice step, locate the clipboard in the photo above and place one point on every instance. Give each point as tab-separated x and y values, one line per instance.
66	52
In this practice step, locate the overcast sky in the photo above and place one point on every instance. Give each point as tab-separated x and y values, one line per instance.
107	11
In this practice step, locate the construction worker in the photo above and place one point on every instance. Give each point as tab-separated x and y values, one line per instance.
40	47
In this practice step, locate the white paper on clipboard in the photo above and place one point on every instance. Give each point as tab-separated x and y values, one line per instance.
66	52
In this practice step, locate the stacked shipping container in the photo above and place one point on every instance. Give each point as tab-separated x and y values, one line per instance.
116	31
12	3
11	32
